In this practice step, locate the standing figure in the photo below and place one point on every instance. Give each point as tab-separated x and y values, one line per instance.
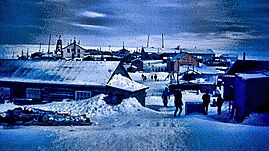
143	77
178	102
155	77
165	96
206	101
219	103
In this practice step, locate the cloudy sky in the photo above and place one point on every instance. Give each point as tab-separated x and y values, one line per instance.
101	22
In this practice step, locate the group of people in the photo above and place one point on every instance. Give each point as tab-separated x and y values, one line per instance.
144	78
178	101
206	102
153	77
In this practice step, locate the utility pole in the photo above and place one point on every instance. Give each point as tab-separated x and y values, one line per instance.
49	45
148	41
40	47
162	41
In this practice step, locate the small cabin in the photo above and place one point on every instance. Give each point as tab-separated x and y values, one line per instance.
251	93
180	59
138	64
246	83
201	55
154	56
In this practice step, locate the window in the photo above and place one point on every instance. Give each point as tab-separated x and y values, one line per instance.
68	50
4	92
33	93
78	55
78	50
80	95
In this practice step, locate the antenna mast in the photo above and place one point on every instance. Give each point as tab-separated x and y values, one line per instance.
49	45
162	41
148	41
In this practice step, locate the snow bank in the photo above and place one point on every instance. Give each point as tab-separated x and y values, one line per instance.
257	119
121	82
7	106
92	107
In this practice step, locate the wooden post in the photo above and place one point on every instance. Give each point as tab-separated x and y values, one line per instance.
148	41
49	45
162	41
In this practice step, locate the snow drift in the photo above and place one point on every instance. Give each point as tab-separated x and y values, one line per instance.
121	82
92	107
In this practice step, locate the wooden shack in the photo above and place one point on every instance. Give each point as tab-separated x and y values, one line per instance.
251	93
182	58
138	64
56	80
201	55
246	83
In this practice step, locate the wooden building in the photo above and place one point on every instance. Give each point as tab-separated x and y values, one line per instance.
182	58
73	51
138	64
251	93
246	83
201	55
55	80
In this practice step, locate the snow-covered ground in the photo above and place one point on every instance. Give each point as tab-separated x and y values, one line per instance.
129	126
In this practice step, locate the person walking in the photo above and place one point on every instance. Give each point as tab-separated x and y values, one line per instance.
165	96
155	77
219	103
178	102
206	101
143	77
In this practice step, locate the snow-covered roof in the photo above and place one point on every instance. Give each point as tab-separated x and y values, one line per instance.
248	66
74	44
95	73
253	76
178	56
198	51
124	83
161	50
178	50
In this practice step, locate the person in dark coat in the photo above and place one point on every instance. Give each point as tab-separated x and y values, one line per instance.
165	96
143	77
155	77
206	101
178	102
219	103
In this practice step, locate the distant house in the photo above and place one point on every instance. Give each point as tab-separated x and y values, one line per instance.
246	83
182	58
48	80
73	51
229	57
144	55
154	56
138	64
201	55
165	53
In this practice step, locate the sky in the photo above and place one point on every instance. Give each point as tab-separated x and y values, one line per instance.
231	22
